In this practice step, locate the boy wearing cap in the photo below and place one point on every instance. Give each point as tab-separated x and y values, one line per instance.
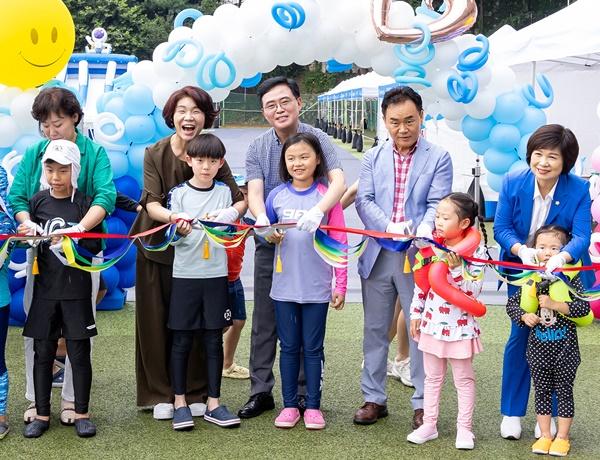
61	305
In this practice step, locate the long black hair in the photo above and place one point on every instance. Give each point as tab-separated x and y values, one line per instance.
314	143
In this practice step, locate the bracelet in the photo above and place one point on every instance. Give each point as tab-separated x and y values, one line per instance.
171	217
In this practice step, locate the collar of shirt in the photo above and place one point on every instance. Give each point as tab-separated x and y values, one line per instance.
404	156
538	194
301	129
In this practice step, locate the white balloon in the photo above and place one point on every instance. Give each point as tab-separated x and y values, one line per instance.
180	33
598	110
446	54
452	110
345	52
455	125
386	62
9	131
439	83
257	16
208	31
465	41
20	109
143	73
367	41
165	71
484	75
162	91
326	40
349	16
227	12
7	95
482	106
218	94
401	15
433	109
503	79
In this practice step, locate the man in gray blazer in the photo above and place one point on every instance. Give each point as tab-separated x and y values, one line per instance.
401	182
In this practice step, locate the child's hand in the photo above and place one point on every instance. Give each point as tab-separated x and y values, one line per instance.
530	319
415	328
184	227
453	259
275	238
337	301
546	302
56	240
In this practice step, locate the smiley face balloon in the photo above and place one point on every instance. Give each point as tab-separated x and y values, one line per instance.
36	41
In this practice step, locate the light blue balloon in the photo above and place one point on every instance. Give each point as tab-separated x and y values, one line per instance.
505	137
497	161
118	163
162	129
518	165
127	277
116	105
140	129
532	119
25	141
480	147
495	181
522	150
103	99
510	108
138	100
136	156
476	129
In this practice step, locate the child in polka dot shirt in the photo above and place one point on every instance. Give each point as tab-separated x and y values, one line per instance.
552	348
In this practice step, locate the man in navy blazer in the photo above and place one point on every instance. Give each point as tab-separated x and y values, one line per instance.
401	182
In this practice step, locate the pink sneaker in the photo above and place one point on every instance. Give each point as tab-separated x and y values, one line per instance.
424	433
287	418
313	419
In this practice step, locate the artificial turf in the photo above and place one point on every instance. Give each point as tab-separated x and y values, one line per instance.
126	432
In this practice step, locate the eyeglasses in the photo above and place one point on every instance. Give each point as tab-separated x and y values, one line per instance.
272	106
410	123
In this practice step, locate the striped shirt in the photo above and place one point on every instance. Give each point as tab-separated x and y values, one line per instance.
401	169
264	155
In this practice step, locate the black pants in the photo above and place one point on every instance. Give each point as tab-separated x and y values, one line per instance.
212	339
559	379
43	363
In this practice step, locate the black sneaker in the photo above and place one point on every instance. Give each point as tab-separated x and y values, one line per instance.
85	428
36	428
222	417
182	419
301	404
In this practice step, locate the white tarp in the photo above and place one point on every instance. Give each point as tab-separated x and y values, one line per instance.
368	83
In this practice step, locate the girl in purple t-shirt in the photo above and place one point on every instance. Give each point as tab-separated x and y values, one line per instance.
302	281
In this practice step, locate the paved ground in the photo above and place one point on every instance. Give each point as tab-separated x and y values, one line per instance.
237	140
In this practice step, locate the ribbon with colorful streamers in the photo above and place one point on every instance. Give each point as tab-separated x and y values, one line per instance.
334	252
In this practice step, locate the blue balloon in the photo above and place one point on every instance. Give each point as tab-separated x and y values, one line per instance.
136	156
161	127
103	99
127	185
113	300
252	81
480	147
510	107
188	13
494	181
116	105
289	15
127	277
110	276
125	216
118	162
25	141
334	66
532	119
18	255
139	129
505	137
115	225
138	100
128	259
522	150
497	161
17	313
518	166
476	129
14	284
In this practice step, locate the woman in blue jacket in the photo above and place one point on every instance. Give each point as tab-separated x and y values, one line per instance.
546	193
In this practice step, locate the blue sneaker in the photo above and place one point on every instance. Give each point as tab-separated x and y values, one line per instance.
222	417
58	379
182	419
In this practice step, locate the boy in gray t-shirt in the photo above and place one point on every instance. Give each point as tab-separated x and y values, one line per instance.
200	296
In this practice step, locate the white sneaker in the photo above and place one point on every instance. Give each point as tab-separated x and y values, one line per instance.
510	428
163	411
197	409
390	366
538	432
401	371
